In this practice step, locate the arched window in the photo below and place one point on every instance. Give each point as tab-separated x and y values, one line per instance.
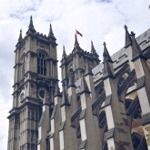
139	142
41	64
22	66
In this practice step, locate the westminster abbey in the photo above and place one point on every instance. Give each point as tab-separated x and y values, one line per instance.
102	105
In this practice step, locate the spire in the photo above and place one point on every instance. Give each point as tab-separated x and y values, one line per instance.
50	30
18	45
108	64
57	91
65	100
76	44
64	52
71	78
106	54
20	36
93	51
136	50
51	34
84	88
127	37
31	26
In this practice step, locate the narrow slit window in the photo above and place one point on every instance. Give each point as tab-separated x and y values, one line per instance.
41	64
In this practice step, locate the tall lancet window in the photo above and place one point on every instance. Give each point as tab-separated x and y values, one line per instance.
41	63
22	66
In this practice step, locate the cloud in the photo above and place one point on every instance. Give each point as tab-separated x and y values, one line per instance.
97	20
102	1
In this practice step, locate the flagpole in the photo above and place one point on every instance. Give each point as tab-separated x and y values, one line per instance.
78	33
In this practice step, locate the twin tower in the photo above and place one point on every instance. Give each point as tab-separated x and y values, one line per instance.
102	106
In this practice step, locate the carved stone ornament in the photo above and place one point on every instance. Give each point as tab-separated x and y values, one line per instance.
41	93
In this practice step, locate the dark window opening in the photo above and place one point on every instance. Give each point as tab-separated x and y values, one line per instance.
139	142
137	114
133	108
78	100
105	147
47	144
41	64
102	119
127	103
78	131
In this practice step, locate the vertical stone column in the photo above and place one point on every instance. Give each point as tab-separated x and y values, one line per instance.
143	85
44	125
118	132
63	121
89	135
90	82
13	133
67	135
109	116
55	122
143	88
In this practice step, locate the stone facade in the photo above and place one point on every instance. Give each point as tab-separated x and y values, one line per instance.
102	106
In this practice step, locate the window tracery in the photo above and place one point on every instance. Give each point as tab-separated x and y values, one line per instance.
41	64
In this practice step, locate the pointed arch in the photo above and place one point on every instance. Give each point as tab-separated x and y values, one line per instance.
41	62
22	66
139	142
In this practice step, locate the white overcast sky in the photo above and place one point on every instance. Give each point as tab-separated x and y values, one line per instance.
97	20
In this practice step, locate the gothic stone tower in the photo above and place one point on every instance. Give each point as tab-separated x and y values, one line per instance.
79	60
34	81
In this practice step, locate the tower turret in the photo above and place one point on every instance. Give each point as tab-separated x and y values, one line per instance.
35	74
51	34
127	37
76	43
20	39
78	60
93	51
20	36
108	63
64	53
31	26
136	50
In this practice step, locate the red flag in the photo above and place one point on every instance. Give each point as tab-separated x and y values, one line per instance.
77	32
